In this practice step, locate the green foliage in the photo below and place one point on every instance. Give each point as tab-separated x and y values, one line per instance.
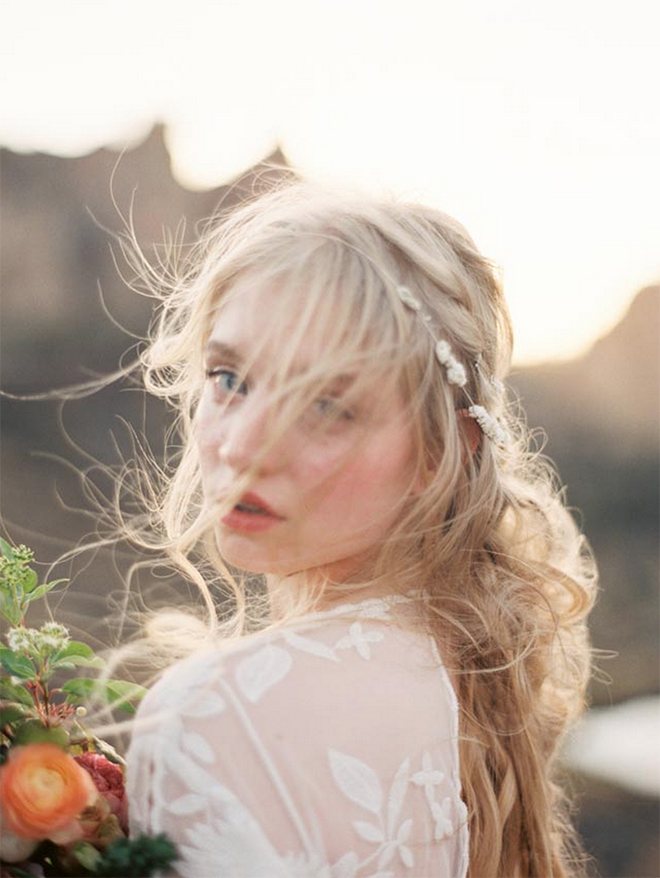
12	692
10	714
17	665
117	693
33	710
137	857
87	855
33	731
19	582
31	657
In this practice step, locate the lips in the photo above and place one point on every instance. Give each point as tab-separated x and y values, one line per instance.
251	514
255	502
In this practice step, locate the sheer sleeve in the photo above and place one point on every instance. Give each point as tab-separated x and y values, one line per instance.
326	750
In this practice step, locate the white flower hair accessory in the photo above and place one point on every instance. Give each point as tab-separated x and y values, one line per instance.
490	426
456	374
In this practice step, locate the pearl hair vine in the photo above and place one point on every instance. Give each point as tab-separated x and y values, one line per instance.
457	375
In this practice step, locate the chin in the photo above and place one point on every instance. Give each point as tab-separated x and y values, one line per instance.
242	553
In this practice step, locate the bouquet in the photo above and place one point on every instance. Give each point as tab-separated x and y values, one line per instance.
63	805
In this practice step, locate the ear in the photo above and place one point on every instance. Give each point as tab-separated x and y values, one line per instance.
470	428
419	485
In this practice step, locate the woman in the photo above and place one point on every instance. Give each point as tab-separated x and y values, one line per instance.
401	643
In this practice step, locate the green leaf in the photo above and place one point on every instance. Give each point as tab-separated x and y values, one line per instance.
10	609
117	693
17	665
78	661
76	654
81	689
127	692
10	714
13	692
64	665
30	580
6	548
33	731
87	855
42	590
75	647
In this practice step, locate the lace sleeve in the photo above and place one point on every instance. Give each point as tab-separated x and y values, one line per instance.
327	752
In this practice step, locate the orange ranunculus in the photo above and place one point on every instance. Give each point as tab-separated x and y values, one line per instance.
43	791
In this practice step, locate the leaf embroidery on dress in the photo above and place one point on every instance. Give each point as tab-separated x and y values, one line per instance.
199	700
429	778
368	831
360	783
189	803
360	639
261	670
397	794
375	608
193	776
397	845
346	866
357	780
210	705
443	824
195	744
314	647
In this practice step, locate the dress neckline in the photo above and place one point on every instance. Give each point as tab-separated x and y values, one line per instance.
371	607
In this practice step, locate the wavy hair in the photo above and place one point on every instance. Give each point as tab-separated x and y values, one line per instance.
505	576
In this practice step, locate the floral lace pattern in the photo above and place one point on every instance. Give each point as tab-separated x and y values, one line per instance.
328	750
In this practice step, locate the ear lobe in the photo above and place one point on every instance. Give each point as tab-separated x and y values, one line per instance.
471	430
418	486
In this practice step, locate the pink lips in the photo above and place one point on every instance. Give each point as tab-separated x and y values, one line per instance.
238	519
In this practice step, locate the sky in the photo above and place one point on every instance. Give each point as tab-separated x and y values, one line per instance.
535	124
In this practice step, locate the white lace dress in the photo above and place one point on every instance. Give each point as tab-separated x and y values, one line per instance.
328	750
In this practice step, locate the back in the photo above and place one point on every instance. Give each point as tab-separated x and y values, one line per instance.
328	749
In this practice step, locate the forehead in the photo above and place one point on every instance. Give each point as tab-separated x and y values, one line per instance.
256	321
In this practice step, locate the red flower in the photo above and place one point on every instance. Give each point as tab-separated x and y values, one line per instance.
108	778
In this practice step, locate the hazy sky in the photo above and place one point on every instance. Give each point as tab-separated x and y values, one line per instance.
537	124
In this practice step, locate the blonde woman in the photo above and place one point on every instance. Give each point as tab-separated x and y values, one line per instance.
396	596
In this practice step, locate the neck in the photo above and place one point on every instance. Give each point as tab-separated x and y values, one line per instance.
292	595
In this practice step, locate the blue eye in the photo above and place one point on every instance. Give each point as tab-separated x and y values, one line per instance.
225	381
330	408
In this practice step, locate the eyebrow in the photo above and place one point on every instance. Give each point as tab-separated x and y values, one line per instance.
222	349
226	351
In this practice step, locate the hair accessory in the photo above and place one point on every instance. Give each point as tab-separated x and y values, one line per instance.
490	426
408	299
456	374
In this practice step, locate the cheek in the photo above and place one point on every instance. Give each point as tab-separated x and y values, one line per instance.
207	426
375	479
207	439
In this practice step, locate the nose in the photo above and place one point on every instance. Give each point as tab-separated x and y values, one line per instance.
244	435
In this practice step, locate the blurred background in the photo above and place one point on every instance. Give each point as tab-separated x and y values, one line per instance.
536	125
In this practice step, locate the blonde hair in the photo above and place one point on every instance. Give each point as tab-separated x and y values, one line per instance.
506	578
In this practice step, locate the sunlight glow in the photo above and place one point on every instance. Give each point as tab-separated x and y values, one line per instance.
535	125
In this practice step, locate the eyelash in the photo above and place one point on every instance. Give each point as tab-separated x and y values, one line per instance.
215	372
334	409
